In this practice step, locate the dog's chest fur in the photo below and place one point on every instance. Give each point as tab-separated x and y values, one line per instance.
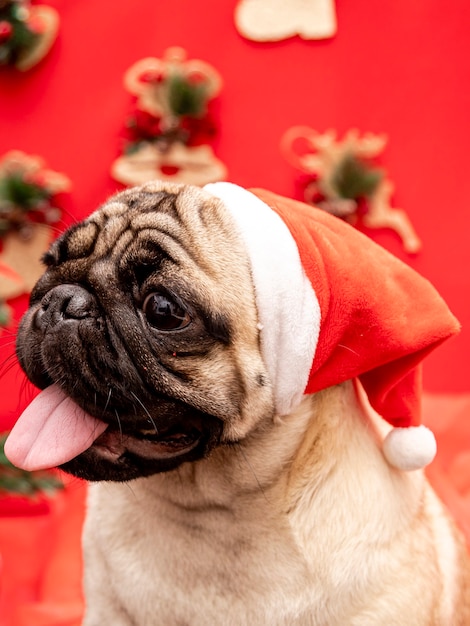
298	531
198	568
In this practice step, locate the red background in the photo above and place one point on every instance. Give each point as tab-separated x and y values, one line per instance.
396	67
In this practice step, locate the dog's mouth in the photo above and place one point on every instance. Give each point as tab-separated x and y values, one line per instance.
148	444
54	431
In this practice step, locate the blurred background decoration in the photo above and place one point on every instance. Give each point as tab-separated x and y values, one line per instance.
26	33
173	122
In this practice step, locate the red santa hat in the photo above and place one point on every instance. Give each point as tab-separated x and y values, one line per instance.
334	306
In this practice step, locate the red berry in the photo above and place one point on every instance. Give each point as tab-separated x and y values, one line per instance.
146	123
152	76
6	30
317	197
195	77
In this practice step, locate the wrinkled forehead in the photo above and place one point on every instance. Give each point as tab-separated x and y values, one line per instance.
173	217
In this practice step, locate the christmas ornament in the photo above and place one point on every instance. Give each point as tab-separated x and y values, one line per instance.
341	176
5	315
29	193
272	20
26	32
20	266
30	199
172	123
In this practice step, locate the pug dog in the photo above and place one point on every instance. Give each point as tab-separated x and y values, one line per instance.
226	487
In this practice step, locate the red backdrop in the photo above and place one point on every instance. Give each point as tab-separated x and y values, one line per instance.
396	67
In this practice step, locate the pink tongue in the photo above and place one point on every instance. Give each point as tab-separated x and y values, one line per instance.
51	430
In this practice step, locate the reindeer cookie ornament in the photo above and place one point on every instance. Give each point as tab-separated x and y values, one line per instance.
342	178
171	126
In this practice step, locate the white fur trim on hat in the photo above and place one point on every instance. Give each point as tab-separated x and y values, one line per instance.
288	309
410	448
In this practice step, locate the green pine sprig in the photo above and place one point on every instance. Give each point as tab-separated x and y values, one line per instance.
18	197
354	179
22	37
17	192
5	315
185	97
14	481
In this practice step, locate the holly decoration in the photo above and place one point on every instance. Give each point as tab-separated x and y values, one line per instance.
341	176
168	133
173	101
354	178
187	95
5	315
26	32
28	193
17	33
14	481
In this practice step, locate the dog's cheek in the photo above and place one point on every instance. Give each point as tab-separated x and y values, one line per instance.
212	384
242	389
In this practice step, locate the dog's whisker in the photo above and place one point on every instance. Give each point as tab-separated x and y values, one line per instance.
118	419
10	342
129	487
245	458
146	411
8	332
26	390
75	385
8	364
59	379
108	399
52	369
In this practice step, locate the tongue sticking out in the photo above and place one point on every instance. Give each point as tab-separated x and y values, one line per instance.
51	430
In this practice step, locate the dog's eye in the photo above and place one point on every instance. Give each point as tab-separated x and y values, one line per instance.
163	313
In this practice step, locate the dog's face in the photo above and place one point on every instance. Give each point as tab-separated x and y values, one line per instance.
146	318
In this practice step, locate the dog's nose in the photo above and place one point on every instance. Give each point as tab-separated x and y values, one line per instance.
65	302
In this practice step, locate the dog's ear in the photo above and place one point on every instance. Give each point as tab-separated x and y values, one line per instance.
359	312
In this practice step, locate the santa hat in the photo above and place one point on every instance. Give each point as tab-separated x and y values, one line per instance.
334	306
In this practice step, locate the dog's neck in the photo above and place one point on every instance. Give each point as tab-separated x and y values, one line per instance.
265	501
335	427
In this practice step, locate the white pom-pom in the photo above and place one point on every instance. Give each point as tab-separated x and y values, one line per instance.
410	448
